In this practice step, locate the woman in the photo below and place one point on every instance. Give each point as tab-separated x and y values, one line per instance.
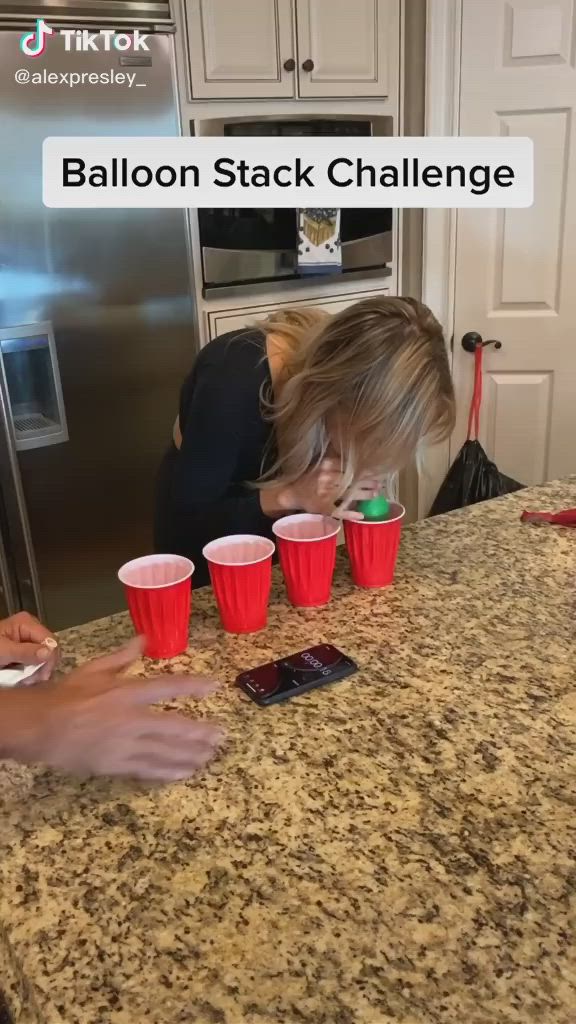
305	412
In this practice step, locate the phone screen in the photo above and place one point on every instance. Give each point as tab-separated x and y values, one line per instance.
287	677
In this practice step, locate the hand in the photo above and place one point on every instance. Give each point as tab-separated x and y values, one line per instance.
364	490
21	643
97	721
319	490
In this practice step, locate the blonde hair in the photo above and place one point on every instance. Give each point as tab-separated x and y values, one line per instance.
294	326
372	381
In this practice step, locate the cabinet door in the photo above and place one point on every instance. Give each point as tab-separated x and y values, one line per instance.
237	50
347	47
236	319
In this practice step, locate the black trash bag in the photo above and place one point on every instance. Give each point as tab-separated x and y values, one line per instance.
472	478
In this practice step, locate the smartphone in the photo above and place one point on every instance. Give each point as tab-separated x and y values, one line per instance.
296	674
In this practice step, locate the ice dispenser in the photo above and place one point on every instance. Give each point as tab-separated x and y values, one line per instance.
32	378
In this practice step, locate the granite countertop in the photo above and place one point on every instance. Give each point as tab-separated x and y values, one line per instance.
400	847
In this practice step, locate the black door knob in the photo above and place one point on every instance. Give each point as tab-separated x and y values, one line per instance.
308	65
289	64
471	340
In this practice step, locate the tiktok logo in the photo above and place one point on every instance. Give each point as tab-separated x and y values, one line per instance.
34	43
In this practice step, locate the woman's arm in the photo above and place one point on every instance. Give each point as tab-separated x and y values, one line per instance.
219	428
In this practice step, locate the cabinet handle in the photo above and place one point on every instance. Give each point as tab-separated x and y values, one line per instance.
308	65
289	64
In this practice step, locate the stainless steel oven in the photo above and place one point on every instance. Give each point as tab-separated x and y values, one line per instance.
249	246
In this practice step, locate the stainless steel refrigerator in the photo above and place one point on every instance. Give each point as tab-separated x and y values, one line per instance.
97	326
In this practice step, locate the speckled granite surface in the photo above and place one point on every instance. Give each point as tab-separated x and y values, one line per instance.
399	848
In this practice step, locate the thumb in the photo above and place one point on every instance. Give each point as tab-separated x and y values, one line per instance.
14	653
120	660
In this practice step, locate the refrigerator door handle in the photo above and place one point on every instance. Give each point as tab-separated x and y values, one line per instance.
18	525
8	602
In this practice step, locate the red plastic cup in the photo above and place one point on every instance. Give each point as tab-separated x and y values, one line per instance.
373	548
307	551
159	594
241	573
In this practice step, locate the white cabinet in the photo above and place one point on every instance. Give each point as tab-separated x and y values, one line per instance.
344	46
256	49
236	319
237	49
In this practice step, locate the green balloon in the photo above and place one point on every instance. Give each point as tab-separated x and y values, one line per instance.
376	508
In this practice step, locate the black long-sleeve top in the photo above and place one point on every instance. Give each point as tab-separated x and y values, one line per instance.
202	490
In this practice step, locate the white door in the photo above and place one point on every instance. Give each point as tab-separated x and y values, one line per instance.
240	49
516	269
347	47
